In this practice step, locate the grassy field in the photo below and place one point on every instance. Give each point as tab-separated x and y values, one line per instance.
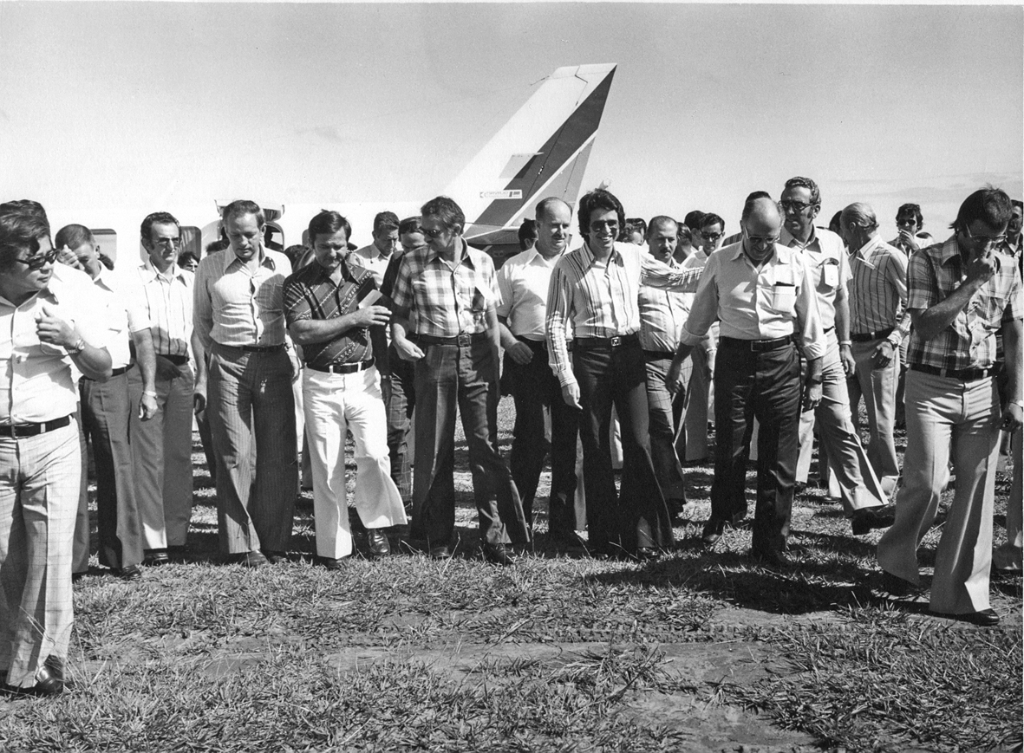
695	652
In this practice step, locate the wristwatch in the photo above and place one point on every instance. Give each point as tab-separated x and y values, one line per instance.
77	348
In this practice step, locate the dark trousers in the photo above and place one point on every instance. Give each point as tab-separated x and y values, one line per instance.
106	416
663	430
539	404
400	401
251	402
638	517
465	376
766	386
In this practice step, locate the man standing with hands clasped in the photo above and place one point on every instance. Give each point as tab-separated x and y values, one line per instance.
962	292
762	294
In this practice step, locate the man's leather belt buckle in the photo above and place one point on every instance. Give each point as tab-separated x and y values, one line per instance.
261	348
615	341
343	368
964	375
16	431
866	337
464	339
756	346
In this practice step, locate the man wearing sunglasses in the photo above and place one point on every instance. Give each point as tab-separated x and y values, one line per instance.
823	252
46	332
762	294
962	293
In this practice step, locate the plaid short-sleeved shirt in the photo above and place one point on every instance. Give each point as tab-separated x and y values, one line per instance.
969	342
445	299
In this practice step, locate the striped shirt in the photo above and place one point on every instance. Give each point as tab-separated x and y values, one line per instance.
766	303
310	293
662	315
168	299
969	341
446	299
523	283
878	290
601	298
235	306
826	260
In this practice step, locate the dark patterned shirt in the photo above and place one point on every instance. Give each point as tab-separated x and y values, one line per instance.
310	293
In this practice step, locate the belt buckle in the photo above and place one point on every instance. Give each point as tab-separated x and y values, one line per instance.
463	339
615	341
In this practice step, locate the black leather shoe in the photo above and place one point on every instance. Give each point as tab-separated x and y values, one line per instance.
156	558
330	563
130	573
772	558
378	541
872	517
440	552
274	557
49	680
566	539
498	555
984	618
713	531
248	559
896	586
647	553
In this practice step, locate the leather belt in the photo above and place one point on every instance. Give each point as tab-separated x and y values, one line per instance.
16	431
342	368
176	360
757	346
462	339
113	372
618	341
261	348
828	329
964	375
865	337
659	353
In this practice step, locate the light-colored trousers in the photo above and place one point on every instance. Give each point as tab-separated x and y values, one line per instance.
39	481
700	396
878	388
1008	556
859	487
333	404
162	454
947	416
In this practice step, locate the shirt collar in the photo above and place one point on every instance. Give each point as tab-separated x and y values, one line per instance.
589	258
433	255
786	239
151	272
230	258
866	250
950	249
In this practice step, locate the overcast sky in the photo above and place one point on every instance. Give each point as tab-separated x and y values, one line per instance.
104	105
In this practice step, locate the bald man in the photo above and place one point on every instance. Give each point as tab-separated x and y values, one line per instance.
762	294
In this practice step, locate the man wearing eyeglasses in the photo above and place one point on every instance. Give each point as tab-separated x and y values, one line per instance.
162	447
595	291
962	293
48	329
762	294
445	321
700	390
823	252
107	413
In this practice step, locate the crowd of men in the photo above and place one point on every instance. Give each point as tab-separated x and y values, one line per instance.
782	327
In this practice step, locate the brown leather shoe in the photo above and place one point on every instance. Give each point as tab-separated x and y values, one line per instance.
248	559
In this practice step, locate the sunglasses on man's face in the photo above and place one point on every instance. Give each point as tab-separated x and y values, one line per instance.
38	261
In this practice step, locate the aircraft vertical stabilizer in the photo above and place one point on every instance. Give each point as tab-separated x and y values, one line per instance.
541	151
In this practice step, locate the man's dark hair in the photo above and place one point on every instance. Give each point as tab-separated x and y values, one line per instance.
217	245
294	253
989	205
758	195
710	219
73	236
911	210
662	220
25	206
810	185
446	210
684	234
385	221
185	257
527	233
157	218
693	219
1017	203
601	199
410	225
636	225
240	207
20	227
834	223
328	222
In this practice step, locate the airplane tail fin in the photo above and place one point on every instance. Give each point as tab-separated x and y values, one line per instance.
541	151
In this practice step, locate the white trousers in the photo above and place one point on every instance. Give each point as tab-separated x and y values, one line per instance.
947	417
334	404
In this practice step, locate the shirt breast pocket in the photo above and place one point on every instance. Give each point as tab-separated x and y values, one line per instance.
830	274
783	298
